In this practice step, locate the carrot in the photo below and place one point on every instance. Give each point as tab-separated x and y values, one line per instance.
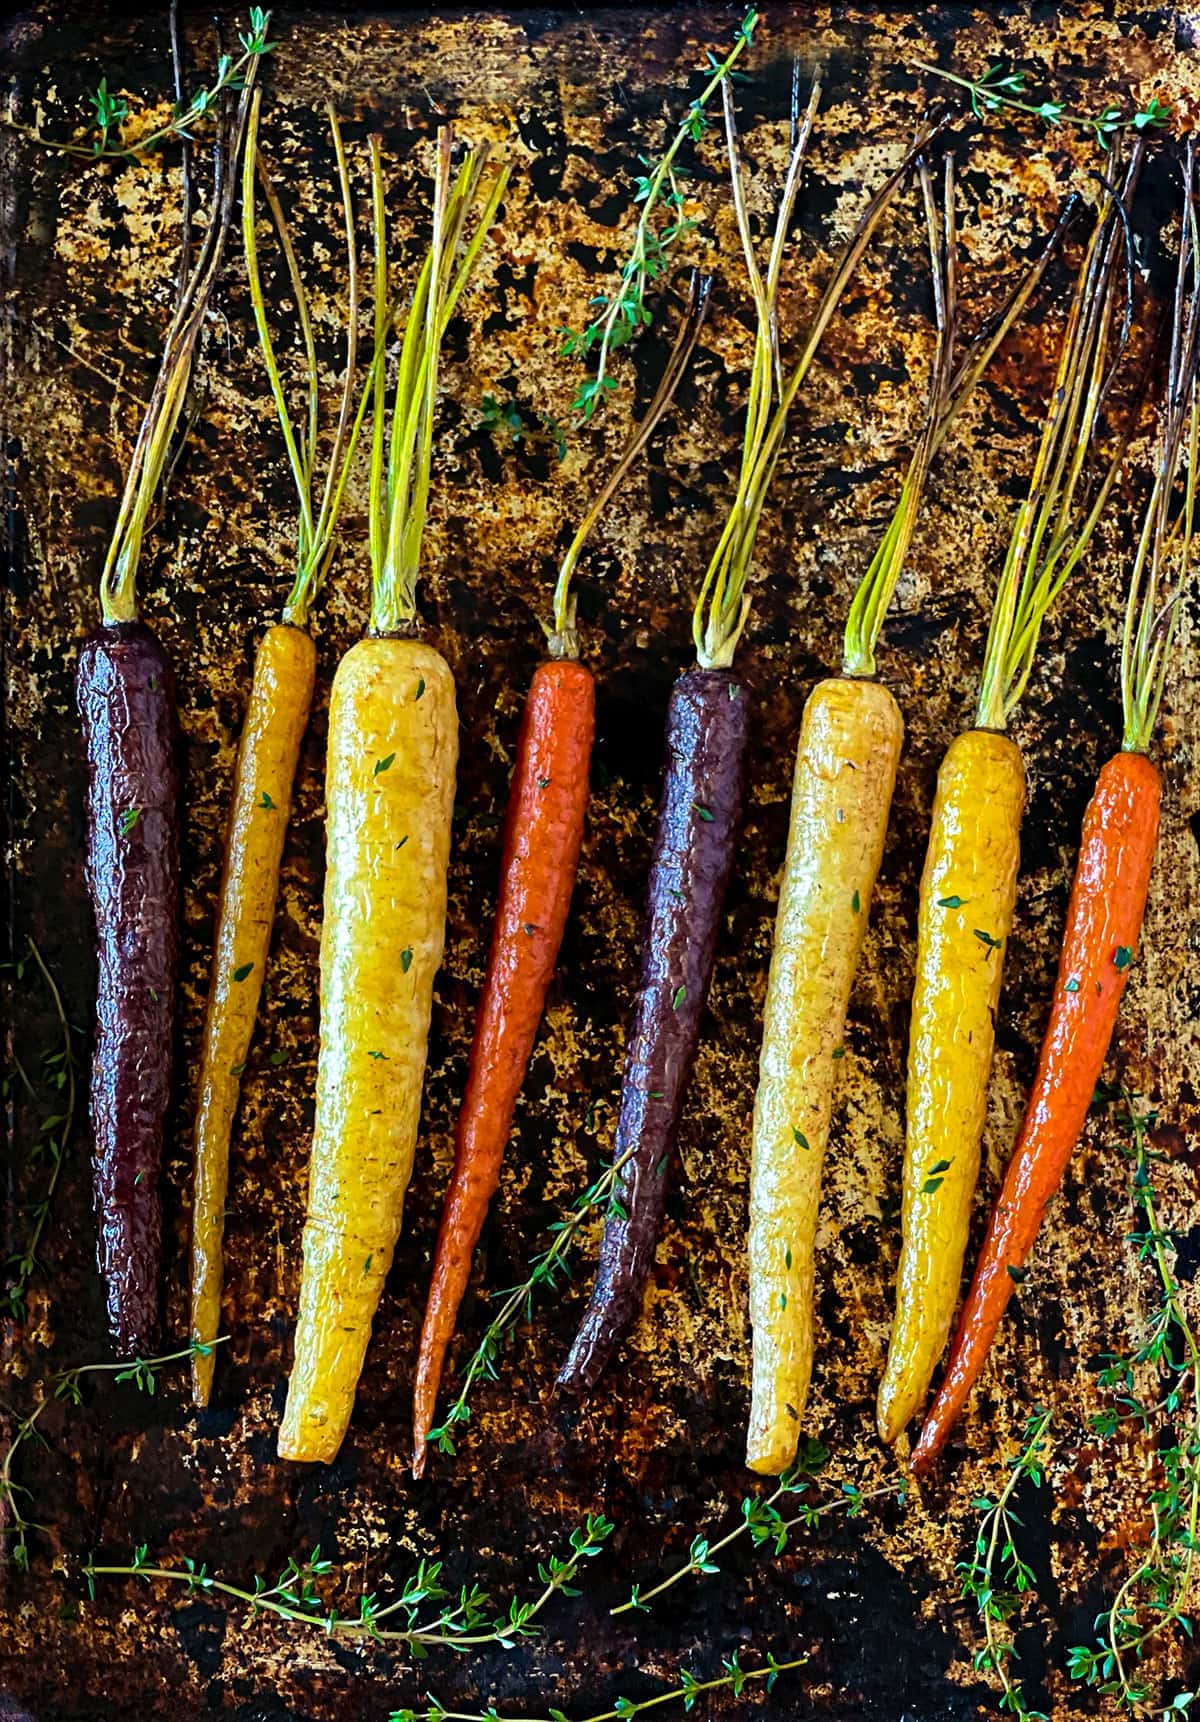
707	736
393	748
1110	887
968	885
268	753
850	740
126	699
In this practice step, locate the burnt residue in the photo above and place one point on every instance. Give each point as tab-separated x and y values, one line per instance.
572	96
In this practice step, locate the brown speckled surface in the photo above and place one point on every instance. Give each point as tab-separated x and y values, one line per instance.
90	255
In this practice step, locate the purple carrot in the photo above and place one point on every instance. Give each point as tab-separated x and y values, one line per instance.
126	697
704	790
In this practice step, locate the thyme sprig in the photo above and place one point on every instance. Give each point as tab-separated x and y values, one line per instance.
53	1135
110	112
1154	1595
996	1578
766	1523
998	89
66	1385
620	315
545	1272
690	1688
424	1616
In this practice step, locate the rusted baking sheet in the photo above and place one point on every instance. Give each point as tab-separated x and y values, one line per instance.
572	97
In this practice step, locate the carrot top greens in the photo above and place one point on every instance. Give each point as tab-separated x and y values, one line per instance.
621	314
118	597
318	517
400	456
1052	529
948	392
563	636
723	606
1150	620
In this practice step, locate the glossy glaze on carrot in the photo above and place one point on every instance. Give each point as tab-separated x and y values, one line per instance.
695	845
126	697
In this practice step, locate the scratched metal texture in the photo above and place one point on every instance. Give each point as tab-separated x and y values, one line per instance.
572	98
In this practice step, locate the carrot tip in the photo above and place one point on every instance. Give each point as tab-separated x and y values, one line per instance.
418	1462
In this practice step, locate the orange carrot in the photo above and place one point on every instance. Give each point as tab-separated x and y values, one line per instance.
542	839
543	835
1112	876
1108	902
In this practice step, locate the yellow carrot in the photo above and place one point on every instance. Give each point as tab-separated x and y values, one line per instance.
393	748
969	881
845	774
841	794
276	719
968	890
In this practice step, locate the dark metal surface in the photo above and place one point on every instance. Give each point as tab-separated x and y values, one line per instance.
573	97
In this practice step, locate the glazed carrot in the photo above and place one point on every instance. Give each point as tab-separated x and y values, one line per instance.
543	836
845	774
393	748
969	881
703	789
1111	883
126	698
276	719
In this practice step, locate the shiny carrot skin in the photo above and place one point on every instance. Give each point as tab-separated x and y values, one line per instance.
845	774
543	835
1104	921
704	786
276	718
126	697
968	890
393	750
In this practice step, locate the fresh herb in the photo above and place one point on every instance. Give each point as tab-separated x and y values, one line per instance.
997	1593
952	902
110	111
999	89
464	1621
420	688
680	995
384	764
766	1525
1072	985
243	971
128	820
799	1137
621	315
1153	1598
406	957
67	1385
705	815
689	1689
934	1177
987	939
856	903
1122	957
544	1273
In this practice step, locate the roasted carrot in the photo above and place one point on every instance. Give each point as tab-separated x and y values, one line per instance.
846	760
543	835
703	788
1112	877
125	694
968	885
276	719
393	749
